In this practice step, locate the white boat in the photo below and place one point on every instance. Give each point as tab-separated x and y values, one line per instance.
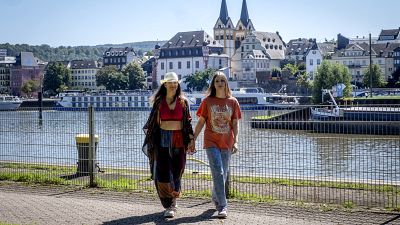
121	100
282	101
248	98
8	102
354	113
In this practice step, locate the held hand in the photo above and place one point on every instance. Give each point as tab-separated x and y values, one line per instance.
191	148
235	148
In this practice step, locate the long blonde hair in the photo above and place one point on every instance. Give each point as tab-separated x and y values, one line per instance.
211	91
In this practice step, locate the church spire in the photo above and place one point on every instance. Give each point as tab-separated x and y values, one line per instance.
244	16
223	14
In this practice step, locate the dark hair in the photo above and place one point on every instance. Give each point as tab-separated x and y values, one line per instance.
211	91
162	92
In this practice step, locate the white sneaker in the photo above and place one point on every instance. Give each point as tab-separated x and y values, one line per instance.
169	213
222	214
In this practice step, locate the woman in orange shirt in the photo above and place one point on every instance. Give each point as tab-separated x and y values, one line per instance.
220	112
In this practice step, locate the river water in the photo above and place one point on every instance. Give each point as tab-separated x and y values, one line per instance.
271	153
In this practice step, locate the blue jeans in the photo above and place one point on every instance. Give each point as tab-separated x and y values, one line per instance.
219	165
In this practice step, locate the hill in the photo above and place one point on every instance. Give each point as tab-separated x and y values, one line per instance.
63	53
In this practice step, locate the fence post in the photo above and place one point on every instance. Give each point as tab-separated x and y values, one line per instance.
92	151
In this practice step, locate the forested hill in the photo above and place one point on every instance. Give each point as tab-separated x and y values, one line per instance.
47	53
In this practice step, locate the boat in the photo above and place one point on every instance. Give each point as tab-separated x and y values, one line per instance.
105	101
282	101
354	113
253	99
248	98
8	102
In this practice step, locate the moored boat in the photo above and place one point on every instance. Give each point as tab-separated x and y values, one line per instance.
8	102
354	113
121	100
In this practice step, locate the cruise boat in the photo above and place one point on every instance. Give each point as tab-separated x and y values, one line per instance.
248	98
120	100
8	102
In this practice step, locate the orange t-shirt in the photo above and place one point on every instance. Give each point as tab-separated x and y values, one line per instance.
219	114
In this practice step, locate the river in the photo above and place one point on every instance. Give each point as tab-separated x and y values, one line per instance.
270	153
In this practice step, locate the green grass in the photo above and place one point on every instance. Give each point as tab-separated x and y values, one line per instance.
262	117
50	174
373	97
32	178
349	205
2	223
235	194
306	183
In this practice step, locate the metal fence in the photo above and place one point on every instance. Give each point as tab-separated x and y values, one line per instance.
291	154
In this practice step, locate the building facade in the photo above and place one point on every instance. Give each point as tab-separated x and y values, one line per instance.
83	74
187	53
6	63
356	58
257	55
26	68
119	57
315	55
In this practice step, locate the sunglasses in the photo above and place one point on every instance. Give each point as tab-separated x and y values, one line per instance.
219	81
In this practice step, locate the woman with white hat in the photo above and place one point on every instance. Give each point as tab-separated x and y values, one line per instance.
169	136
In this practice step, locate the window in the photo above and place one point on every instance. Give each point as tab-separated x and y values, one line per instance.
162	65
318	61
311	62
171	65
179	65
188	64
197	64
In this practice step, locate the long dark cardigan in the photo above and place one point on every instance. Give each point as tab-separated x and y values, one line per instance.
152	131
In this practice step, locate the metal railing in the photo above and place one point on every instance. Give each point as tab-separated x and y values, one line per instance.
291	153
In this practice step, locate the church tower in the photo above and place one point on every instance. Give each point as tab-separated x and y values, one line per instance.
244	25
224	31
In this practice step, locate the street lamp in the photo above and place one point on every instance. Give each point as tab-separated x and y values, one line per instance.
154	71
370	65
206	53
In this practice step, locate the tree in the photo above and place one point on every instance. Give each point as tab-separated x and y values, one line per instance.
377	80
111	78
276	72
30	86
56	75
199	80
135	74
303	82
329	75
394	81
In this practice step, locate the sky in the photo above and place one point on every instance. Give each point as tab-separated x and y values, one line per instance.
93	22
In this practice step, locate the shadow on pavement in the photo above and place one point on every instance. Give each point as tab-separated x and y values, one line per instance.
158	218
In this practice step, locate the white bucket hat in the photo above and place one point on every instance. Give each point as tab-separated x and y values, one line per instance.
170	77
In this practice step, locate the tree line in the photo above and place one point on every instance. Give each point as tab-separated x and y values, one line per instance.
67	53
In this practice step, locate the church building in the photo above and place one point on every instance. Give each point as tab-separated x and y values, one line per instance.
252	54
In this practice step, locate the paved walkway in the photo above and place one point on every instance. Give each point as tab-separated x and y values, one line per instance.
60	205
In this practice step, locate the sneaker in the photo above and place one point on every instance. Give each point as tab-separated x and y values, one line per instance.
169	213
222	214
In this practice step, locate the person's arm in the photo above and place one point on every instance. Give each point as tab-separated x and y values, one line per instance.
199	127
235	128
